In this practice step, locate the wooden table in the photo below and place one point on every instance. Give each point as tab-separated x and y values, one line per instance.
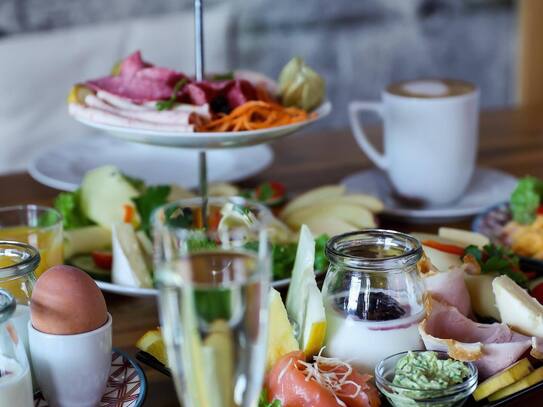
511	140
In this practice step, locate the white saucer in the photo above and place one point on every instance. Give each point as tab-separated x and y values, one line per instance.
488	187
63	166
207	140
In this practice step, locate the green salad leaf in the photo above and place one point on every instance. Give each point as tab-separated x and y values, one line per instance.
69	206
498	259
525	199
263	400
148	201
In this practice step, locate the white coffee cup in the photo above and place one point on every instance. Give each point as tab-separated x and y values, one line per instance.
430	137
72	370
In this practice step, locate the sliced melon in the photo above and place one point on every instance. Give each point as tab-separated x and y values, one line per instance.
533	378
281	338
503	379
314	329
481	294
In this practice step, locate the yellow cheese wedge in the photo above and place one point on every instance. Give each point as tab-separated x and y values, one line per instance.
503	379
533	378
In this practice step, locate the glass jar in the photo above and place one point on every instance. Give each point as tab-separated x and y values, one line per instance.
18	261
373	296
15	379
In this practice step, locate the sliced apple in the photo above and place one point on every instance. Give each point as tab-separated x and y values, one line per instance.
503	379
105	193
281	338
330	226
313	196
517	308
86	240
366	201
129	265
463	237
357	216
533	378
177	193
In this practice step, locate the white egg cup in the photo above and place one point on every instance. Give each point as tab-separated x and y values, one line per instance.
72	370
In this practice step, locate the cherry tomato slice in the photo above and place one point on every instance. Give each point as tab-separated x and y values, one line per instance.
102	259
444	247
270	193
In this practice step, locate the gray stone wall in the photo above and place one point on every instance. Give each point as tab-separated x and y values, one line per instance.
358	45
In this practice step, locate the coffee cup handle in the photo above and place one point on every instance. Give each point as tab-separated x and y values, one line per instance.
359	134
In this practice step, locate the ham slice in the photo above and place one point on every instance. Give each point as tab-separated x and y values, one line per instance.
492	347
167	117
97	115
450	287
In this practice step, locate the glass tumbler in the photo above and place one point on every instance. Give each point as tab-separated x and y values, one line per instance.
373	296
212	262
39	226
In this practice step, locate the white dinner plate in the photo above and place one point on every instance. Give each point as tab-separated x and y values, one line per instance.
207	140
151	292
63	166
487	188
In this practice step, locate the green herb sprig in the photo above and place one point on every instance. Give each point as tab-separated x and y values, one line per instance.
498	259
170	103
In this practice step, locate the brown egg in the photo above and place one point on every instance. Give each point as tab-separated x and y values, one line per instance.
66	301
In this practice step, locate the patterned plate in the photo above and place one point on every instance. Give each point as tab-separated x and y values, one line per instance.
126	386
491	223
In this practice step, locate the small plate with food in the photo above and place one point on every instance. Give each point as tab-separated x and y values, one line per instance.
518	224
107	225
155	105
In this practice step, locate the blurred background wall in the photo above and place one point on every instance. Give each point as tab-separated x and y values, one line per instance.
357	45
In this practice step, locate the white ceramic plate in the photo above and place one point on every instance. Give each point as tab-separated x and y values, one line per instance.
151	292
488	187
63	166
207	140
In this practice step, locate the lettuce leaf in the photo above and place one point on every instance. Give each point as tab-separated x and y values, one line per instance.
525	199
68	204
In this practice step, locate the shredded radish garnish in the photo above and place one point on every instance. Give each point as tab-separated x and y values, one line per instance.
325	372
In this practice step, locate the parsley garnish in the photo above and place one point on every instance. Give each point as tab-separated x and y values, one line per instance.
265	192
497	259
223	76
170	103
263	400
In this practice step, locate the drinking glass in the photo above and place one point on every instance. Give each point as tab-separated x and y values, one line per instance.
212	264
39	226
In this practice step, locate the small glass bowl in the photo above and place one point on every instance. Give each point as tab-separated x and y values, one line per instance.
399	396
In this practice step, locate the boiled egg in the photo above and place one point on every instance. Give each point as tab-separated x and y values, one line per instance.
66	301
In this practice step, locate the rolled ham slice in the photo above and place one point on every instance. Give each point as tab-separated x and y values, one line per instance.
492	347
94	114
166	117
450	287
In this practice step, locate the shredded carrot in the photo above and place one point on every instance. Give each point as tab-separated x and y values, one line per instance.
255	115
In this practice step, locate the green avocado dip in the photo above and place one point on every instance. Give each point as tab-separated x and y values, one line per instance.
425	371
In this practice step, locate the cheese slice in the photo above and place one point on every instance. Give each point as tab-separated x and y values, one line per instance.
129	265
518	309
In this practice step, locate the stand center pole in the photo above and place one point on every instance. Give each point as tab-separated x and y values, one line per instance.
199	68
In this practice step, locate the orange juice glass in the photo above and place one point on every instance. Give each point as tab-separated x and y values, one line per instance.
39	226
